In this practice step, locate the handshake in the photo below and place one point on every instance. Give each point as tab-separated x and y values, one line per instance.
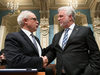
45	61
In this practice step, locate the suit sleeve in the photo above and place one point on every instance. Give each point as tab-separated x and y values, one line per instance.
46	50
52	53
15	56
93	68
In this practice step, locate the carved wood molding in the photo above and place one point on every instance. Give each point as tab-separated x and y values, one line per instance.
44	31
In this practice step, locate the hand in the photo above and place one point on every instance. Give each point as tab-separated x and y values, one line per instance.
45	61
3	57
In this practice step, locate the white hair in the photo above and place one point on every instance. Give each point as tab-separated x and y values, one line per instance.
68	11
22	15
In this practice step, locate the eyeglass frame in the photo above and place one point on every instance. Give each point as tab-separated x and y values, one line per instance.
35	19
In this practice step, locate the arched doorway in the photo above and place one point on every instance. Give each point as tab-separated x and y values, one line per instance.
9	24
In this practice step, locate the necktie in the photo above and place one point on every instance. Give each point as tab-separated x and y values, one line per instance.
35	44
65	38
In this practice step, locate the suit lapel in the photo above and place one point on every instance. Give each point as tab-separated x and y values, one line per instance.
74	32
58	38
28	40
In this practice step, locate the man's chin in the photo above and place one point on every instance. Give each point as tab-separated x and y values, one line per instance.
35	29
61	25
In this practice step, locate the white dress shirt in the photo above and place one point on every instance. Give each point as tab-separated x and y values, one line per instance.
69	33
28	33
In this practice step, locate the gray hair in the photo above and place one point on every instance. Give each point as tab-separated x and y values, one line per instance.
68	11
22	15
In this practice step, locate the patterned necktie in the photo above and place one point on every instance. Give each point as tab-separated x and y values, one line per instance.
35	44
65	38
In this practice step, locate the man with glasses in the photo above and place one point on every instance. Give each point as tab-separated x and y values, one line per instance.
23	49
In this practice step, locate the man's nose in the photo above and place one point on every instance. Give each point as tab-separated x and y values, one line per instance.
58	19
37	22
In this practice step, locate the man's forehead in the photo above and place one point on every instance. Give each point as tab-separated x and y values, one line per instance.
33	15
61	12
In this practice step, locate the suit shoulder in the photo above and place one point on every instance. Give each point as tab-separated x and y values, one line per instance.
12	34
84	27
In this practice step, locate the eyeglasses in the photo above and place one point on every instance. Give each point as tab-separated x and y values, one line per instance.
35	19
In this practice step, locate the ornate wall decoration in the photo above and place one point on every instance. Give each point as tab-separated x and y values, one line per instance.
45	31
44	22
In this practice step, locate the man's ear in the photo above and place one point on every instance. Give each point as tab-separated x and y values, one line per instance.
70	17
25	20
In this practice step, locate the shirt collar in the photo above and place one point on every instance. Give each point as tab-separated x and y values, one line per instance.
72	26
28	33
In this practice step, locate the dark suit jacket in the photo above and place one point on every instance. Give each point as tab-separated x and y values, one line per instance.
81	54
20	52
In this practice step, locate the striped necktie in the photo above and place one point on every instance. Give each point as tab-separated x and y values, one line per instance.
65	38
35	44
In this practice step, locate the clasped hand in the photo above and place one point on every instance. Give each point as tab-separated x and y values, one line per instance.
45	61
2	57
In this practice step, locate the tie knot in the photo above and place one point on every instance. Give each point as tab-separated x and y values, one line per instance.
66	30
32	35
